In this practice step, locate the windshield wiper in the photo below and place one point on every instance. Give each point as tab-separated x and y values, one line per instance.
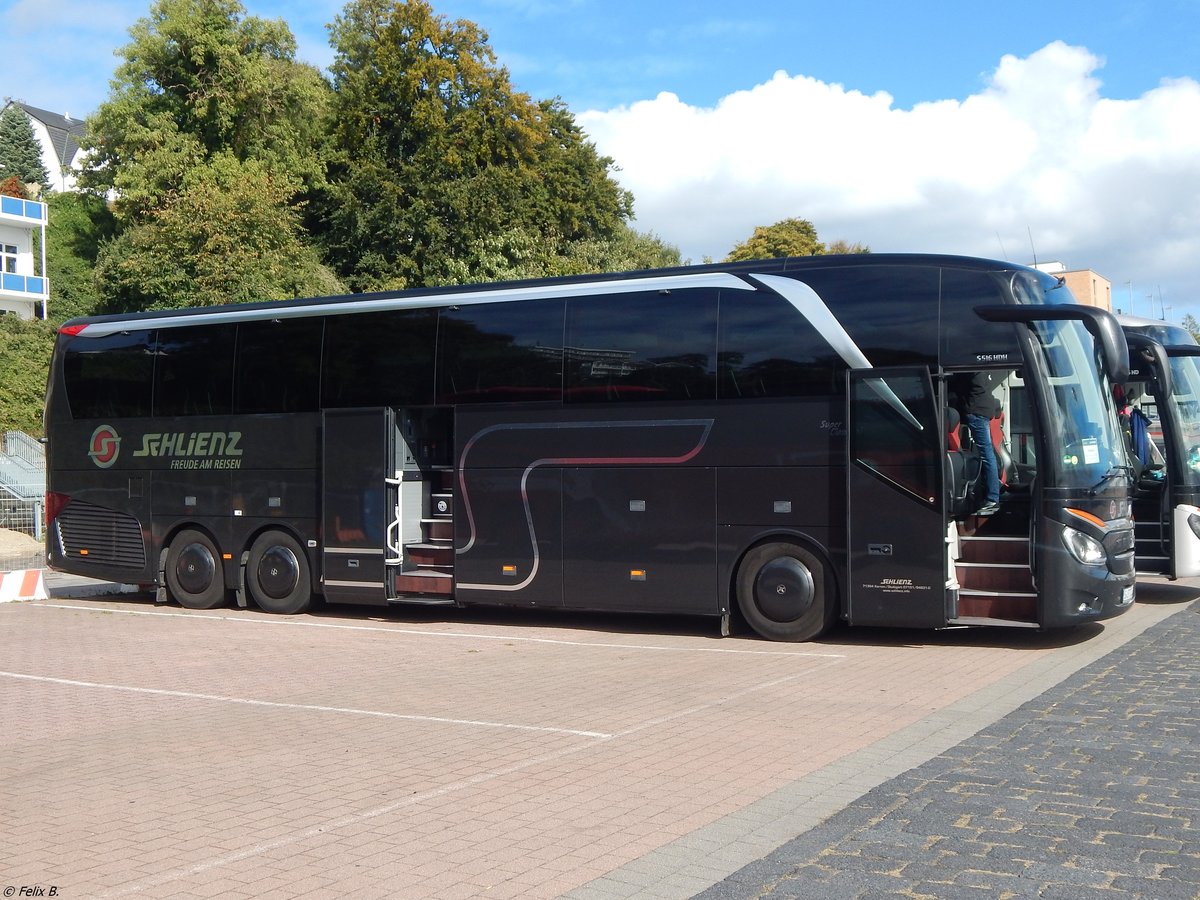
1113	471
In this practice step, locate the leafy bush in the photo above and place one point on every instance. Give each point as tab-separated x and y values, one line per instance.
25	350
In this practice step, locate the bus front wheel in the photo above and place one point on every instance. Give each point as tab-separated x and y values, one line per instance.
277	574
193	571
782	593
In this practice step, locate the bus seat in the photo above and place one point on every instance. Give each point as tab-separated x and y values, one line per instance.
963	469
953	435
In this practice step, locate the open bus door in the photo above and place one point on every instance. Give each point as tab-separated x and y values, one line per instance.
1183	493
895	482
1165	502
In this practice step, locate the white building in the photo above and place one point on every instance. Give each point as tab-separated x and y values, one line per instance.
58	136
21	291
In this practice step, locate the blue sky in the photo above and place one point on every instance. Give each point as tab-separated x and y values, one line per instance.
958	127
601	54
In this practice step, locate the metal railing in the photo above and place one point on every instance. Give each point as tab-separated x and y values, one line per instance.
33	286
22	484
23	209
22	447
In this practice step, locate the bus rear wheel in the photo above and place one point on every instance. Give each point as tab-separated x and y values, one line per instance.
781	591
195	577
277	574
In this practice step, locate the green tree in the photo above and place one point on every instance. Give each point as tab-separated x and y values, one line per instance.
1191	326
516	254
790	237
208	101
79	225
20	152
25	349
440	170
625	251
844	246
199	78
227	236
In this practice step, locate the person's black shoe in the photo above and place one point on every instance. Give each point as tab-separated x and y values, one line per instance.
988	509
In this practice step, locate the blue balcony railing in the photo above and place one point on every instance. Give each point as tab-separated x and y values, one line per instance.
33	286
25	209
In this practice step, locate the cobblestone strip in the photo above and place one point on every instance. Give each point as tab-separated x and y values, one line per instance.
1091	790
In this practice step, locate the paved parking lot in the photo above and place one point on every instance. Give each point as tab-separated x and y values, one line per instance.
156	751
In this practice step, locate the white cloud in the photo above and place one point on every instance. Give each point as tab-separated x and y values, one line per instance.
1098	183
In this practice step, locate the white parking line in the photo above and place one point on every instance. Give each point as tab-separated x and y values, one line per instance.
304	623
325	828
218	698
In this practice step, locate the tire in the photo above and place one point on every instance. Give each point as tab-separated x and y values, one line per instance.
784	593
277	574
194	573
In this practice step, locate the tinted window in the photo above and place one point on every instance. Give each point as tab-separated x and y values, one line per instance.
894	431
968	339
501	351
380	359
111	376
193	374
278	366
643	346
889	312
768	349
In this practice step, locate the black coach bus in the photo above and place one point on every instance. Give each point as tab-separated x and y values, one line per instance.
772	437
1164	391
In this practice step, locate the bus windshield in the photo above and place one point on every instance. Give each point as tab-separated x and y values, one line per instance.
1085	439
1185	394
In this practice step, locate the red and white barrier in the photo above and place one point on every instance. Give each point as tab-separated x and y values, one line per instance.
24	584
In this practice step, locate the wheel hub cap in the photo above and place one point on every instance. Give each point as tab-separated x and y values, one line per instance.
784	589
278	572
195	569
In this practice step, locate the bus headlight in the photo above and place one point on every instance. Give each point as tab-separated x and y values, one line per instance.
1084	548
1194	523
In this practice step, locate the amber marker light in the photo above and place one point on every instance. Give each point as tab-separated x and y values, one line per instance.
1087	517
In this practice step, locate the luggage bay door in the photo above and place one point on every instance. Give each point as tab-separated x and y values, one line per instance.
895	492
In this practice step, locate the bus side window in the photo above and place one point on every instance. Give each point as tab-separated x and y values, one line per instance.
894	432
498	352
110	377
379	358
193	371
278	366
642	346
768	349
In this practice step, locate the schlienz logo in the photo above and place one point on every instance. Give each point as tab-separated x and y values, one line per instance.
191	443
105	446
194	449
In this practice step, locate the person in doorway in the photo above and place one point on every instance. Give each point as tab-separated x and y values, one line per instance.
980	408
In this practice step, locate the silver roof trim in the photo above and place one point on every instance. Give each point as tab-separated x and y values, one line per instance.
723	280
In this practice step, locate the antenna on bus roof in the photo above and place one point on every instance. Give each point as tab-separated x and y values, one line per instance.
1031	247
1003	249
